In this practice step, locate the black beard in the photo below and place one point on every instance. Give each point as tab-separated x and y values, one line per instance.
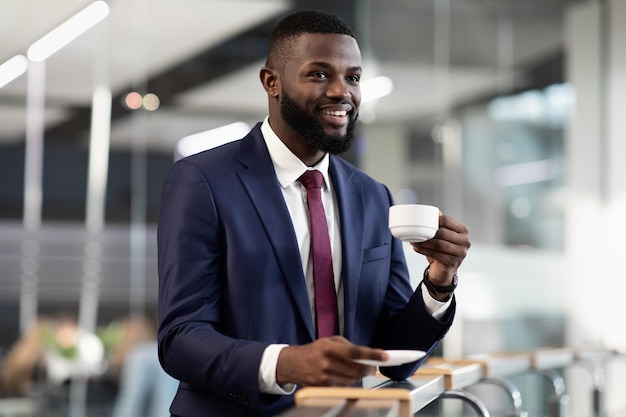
309	127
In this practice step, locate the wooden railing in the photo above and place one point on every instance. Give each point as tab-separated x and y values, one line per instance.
440	378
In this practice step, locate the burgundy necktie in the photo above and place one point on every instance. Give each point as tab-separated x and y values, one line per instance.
323	279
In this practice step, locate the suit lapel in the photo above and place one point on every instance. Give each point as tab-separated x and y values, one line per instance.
349	196
259	180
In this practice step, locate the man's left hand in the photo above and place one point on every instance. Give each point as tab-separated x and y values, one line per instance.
446	250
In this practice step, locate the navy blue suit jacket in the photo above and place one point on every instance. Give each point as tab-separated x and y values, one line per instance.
231	281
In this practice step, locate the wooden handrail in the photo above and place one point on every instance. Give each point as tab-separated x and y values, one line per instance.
550	358
434	378
456	375
497	364
347	398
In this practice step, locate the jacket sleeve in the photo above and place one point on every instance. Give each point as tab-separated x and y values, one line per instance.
191	346
407	324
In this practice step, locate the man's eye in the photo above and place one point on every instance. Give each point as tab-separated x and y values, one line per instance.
354	79
320	75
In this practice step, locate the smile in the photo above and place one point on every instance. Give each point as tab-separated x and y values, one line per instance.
336	113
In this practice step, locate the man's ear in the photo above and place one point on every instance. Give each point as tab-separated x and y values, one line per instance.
270	81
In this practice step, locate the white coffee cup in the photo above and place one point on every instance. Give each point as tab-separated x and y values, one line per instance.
413	222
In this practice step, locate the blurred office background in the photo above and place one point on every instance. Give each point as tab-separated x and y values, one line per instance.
508	115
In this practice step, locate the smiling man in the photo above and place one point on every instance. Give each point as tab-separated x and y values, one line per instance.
312	81
276	266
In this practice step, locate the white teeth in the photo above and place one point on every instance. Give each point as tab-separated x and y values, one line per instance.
336	112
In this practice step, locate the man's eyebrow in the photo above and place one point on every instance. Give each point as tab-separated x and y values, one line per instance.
323	64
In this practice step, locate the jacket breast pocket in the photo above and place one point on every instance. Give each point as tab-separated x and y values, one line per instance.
375	254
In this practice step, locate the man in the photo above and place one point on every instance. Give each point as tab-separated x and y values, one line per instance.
237	306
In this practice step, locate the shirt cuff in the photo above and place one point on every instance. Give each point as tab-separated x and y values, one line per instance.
267	373
435	307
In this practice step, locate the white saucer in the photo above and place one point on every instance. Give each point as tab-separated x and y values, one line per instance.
396	357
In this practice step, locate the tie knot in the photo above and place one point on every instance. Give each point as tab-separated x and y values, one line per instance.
312	178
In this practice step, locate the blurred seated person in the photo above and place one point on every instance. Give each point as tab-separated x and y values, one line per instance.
144	389
26	360
19	368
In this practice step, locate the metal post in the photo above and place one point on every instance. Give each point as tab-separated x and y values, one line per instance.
33	192
512	390
558	404
33	163
598	378
470	399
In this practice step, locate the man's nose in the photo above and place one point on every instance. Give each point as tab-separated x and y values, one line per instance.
339	89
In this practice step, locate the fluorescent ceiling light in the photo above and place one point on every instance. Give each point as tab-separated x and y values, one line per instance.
376	88
209	139
12	69
68	31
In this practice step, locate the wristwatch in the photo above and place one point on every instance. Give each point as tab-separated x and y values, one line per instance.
439	289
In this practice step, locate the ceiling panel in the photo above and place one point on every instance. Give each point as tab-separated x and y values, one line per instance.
138	39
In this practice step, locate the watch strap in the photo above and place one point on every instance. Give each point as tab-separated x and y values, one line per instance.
438	289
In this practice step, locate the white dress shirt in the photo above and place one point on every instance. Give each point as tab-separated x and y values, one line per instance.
288	169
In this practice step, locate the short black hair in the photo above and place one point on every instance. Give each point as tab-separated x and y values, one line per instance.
296	24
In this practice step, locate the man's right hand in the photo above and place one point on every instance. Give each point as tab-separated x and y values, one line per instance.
326	362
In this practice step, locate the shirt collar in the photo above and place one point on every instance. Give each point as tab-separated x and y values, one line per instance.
287	165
